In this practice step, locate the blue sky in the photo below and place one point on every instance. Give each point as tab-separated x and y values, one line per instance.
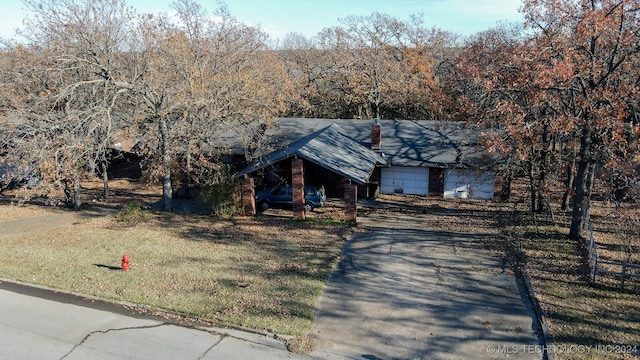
309	17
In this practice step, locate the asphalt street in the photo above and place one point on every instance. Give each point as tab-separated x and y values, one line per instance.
33	327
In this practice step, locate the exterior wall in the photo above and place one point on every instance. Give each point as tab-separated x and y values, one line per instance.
371	190
123	165
448	183
468	184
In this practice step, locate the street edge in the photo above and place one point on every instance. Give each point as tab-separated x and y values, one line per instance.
549	352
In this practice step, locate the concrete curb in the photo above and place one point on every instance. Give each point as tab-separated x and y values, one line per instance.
548	352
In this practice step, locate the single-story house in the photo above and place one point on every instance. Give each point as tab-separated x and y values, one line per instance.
427	158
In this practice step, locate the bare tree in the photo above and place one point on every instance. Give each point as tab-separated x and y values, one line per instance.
310	68
382	67
202	76
64	129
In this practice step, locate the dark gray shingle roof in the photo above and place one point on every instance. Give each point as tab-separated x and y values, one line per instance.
329	147
422	143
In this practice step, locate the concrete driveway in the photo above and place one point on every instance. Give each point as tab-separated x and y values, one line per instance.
406	291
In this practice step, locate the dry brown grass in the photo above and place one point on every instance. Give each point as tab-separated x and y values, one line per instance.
617	233
579	314
262	273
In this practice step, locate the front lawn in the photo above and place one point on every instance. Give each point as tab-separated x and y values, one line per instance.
261	273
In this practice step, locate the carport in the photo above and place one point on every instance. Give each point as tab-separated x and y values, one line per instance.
330	148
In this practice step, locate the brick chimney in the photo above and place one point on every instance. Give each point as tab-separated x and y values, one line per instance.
376	135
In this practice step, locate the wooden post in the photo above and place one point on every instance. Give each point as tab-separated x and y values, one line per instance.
350	202
248	197
297	187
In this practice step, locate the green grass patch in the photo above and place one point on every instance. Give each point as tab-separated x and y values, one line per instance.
262	273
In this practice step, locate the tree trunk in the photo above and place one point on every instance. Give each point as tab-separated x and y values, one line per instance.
566	198
568	191
542	178
580	201
105	180
533	196
187	175
167	189
68	201
77	202
506	188
584	183
532	185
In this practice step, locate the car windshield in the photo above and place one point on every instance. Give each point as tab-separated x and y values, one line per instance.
279	190
286	190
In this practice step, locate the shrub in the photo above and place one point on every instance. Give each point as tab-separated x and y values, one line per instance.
131	213
221	192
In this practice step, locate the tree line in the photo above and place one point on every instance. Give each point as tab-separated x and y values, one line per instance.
556	97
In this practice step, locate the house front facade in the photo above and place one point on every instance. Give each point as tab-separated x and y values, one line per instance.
405	157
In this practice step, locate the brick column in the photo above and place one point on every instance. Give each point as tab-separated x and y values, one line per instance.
297	187
248	197
350	202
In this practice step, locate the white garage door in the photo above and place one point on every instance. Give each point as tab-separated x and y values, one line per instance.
468	184
405	180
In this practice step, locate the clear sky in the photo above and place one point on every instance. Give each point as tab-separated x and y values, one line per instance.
309	17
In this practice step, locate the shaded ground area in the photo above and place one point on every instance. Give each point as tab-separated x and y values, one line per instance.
122	192
37	223
600	318
413	288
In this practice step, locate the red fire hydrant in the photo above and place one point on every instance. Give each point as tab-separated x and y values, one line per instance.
125	262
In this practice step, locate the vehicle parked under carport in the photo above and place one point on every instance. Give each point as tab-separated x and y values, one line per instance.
282	196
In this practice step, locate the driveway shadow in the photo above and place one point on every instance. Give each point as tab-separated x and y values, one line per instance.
404	291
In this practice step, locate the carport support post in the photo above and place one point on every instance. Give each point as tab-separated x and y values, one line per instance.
297	187
248	196
350	202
